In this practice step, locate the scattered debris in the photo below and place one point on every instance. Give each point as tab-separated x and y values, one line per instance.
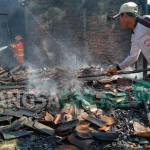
109	111
82	143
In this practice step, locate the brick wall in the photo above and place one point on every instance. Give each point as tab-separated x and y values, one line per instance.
75	34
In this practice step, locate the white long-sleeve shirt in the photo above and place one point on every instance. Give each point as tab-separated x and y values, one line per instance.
140	41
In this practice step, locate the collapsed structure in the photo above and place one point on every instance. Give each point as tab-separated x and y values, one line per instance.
114	110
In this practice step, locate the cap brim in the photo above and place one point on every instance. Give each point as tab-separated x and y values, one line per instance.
116	15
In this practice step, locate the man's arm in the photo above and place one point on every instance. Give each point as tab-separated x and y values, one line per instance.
134	54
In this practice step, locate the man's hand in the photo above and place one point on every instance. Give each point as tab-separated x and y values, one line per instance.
111	70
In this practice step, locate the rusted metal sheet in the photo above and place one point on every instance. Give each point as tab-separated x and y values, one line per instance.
141	130
82	132
26	111
48	117
107	136
44	128
104	128
96	121
82	143
68	125
18	123
108	120
66	147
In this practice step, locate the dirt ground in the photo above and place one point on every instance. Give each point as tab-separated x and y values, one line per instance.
44	142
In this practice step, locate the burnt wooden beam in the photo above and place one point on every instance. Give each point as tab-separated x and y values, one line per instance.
117	73
2	87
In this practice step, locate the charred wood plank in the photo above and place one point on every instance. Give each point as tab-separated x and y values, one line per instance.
12	87
82	132
68	125
11	113
14	83
44	128
17	124
107	136
5	118
12	135
94	120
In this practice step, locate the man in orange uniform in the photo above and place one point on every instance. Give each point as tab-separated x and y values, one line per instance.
18	48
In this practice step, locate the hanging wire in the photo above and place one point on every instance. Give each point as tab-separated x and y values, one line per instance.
42	26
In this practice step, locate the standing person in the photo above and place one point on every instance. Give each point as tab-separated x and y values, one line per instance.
18	48
140	39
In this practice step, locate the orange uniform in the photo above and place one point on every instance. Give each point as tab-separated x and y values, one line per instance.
18	48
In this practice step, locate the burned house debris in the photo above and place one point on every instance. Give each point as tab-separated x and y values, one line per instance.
113	111
59	100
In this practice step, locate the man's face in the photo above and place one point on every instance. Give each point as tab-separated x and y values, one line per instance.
124	21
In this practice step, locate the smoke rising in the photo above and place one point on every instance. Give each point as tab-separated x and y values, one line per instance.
57	49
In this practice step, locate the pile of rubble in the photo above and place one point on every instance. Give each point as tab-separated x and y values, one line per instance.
116	112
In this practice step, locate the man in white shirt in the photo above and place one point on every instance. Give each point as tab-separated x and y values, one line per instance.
140	39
